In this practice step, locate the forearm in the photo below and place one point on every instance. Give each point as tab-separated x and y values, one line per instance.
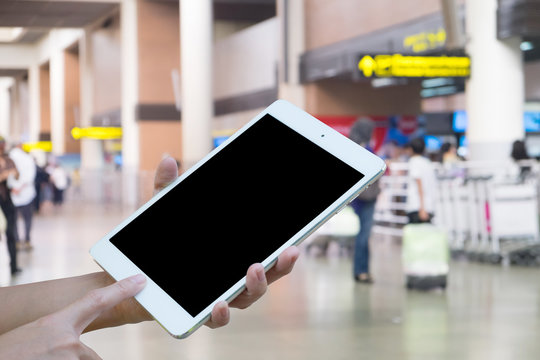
22	304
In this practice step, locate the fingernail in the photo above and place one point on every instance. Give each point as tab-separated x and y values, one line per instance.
138	279
260	273
224	311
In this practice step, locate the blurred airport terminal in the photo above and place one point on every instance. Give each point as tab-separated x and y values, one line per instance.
99	91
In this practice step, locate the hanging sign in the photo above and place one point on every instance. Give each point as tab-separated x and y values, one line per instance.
397	65
39	145
98	133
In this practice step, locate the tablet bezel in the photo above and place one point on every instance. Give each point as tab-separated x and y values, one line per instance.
172	317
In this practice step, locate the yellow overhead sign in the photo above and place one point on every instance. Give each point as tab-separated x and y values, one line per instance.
398	65
99	133
425	41
40	145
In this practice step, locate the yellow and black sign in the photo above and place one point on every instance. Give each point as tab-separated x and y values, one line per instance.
45	146
99	133
398	65
424	41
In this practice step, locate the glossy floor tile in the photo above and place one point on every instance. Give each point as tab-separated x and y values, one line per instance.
318	312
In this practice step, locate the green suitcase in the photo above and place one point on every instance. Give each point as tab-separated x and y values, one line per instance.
426	256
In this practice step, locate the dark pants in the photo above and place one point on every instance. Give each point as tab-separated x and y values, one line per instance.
26	212
365	211
58	196
11	230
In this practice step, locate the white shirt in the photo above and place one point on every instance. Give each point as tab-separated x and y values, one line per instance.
421	168
24	185
59	178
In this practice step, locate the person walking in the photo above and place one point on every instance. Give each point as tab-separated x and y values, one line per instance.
364	207
519	155
421	186
60	182
7	169
23	191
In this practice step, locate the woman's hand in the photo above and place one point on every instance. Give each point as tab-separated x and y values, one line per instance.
56	336
21	305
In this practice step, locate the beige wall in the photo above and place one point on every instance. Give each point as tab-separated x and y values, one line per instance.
224	29
159	50
158	138
333	97
330	21
106	57
246	61
72	100
228	123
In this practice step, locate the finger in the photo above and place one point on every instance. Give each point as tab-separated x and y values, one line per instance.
284	265
166	173
85	310
220	315
88	354
256	286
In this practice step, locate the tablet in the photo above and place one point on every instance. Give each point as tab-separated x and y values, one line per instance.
266	188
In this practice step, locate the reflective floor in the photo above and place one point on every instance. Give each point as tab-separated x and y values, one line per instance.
318	312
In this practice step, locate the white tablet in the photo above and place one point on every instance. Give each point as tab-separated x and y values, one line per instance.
269	186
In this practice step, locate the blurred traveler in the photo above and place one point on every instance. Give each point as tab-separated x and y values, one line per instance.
45	320
7	169
23	190
519	154
449	154
41	180
421	184
364	207
450	160
60	182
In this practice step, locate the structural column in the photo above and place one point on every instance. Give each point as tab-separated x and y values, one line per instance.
495	91
91	149
130	90
196	79
291	13
57	92
34	103
5	106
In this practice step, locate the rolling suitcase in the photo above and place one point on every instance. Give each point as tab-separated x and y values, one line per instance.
426	256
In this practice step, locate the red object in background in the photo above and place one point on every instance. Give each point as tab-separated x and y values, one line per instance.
343	124
407	124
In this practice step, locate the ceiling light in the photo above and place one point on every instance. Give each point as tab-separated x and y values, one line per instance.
10	34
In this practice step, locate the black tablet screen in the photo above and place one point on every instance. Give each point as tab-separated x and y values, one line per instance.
255	194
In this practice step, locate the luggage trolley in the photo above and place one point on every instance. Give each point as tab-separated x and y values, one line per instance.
513	211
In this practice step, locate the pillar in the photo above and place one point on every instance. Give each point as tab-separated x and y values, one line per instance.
34	103
130	89
91	149
196	79
5	112
495	90
15	111
291	13
57	93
